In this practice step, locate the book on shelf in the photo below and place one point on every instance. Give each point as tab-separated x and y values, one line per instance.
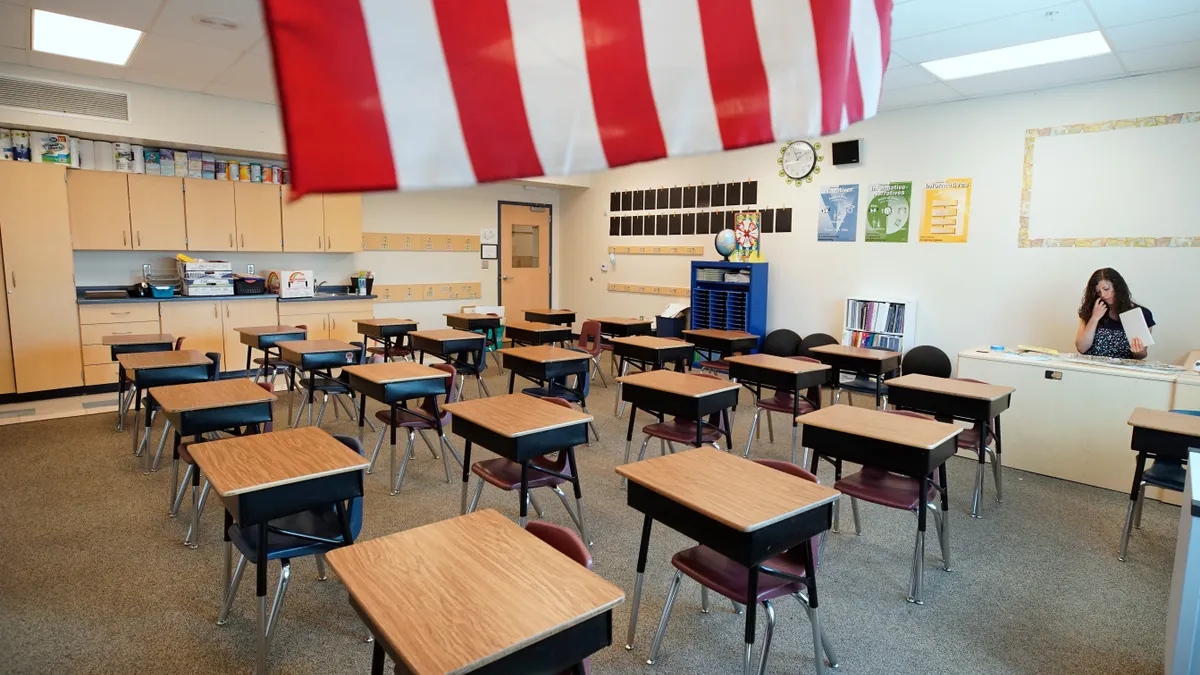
858	338
876	317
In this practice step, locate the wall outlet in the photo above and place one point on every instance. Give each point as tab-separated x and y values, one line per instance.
604	268
484	264
250	270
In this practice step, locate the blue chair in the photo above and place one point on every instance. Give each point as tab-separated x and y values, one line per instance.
1167	473
558	389
317	522
328	386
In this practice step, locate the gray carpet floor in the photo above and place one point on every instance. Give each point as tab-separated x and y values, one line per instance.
94	579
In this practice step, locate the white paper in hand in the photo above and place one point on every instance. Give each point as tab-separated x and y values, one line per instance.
1134	323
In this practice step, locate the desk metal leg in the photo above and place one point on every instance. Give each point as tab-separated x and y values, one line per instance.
996	462
512	380
629	440
362	415
620	373
751	611
121	404
1133	500
466	475
918	567
524	493
312	392
728	429
377	659
146	434
980	468
814	615
945	524
583	528
647	522
249	353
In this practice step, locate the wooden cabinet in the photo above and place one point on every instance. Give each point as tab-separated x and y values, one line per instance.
327	319
257	212
156	213
99	205
209	211
318	324
97	321
344	325
8	383
199	321
303	223
343	223
243	314
35	236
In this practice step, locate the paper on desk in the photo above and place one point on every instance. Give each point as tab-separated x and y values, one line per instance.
673	310
1134	323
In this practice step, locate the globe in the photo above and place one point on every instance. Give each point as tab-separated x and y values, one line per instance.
726	243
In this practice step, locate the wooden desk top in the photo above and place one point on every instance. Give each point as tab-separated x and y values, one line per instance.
146	339
551	311
148	360
516	415
205	395
733	491
881	426
623	321
443	334
545	354
470	315
780	363
386	322
719	334
650	342
235	466
946	385
270	330
535	326
678	383
394	371
1161	420
315	346
857	352
455	595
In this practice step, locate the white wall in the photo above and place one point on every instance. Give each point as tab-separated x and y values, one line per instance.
986	291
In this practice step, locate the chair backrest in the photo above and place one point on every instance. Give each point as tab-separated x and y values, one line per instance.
781	342
589	337
214	368
356	506
926	360
179	343
451	383
557	401
362	351
815	340
799	472
562	540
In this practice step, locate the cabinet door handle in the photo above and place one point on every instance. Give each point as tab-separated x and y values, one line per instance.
230	240
139	237
333	322
14	278
215	315
319	242
226	311
125	332
243	241
124	239
118	313
325	323
328	243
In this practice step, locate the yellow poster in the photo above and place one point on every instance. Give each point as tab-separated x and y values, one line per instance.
947	205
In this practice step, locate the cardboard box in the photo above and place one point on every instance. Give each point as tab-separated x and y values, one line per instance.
291	283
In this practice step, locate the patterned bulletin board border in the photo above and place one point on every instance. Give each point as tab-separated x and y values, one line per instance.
1031	135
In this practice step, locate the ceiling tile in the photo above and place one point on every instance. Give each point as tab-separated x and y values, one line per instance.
913	96
1071	19
173	56
242	91
14	26
907	76
77	66
251	70
1119	12
1167	57
895	59
927	16
168	81
176	20
129	13
10	55
1154	33
1091	69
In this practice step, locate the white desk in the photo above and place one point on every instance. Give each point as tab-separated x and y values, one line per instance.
1183	607
1187	387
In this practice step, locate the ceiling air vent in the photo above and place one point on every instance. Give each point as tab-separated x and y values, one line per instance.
53	97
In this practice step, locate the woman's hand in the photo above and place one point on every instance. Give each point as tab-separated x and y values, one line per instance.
1098	311
1137	347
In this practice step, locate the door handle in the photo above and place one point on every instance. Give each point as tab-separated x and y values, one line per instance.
505	278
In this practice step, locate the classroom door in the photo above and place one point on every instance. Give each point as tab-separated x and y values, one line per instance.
524	258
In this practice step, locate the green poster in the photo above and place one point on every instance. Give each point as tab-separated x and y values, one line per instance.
888	211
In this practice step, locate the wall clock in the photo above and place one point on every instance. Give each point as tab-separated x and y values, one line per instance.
798	162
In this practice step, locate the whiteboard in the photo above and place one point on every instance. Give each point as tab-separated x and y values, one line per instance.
1135	182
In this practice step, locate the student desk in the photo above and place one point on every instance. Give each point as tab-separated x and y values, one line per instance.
723	343
543	364
615	326
263	477
310	356
132	344
520	428
873	362
1158	434
556	316
745	511
474	322
202	407
784	375
906	445
157	369
530	608
393	383
947	398
666	392
535	333
648	353
388	332
446	343
264	338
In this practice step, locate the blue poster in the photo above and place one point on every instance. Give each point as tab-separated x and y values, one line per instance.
838	220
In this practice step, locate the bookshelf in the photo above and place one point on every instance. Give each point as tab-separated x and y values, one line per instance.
729	296
886	323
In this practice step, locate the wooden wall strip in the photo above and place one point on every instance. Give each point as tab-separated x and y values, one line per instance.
422	292
650	290
657	250
407	241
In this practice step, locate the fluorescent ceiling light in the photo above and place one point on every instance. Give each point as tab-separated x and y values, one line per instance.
82	39
1021	56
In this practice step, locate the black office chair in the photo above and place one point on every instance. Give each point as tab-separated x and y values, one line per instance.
814	340
781	342
926	360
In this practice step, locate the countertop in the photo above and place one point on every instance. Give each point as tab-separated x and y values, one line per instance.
320	297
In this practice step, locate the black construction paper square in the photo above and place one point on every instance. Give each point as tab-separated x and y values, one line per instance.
716	222
676	197
689	197
662	198
718	194
766	222
689	223
626	226
614	226
676	221
731	220
733	194
702	222
660	224
750	192
614	201
627	201
637	225
639	200
649	194
703	196
783	220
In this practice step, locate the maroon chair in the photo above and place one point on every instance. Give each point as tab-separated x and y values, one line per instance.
179	343
590	342
680	430
895	491
782	402
271	367
719	574
969	440
418	425
569	544
506	475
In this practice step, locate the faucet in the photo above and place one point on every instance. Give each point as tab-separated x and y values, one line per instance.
317	288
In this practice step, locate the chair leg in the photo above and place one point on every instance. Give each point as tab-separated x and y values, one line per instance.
399	477
476	496
704	607
300	410
820	639
917	584
576	514
425	439
753	428
231	590
1126	531
980	471
192	538
321	572
1137	512
450	448
162	443
321	414
285	575
666	617
795	439
597	370
537	508
590	424
770	428
379	444
177	490
484	393
854	512
939	520
641	456
770	633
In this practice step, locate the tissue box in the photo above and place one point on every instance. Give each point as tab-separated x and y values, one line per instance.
291	283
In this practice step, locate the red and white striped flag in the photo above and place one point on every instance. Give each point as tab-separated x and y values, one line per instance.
416	94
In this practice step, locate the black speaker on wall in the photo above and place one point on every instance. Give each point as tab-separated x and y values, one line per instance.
845	152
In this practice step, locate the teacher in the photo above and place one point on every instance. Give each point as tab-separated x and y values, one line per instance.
1105	298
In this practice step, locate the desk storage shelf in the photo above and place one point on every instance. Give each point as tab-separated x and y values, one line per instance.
729	305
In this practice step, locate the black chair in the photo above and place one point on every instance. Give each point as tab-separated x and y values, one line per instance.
781	342
926	360
557	388
814	340
862	383
336	387
464	366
